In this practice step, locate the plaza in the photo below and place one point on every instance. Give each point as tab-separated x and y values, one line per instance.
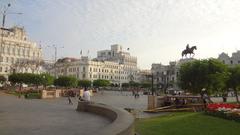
45	117
56	116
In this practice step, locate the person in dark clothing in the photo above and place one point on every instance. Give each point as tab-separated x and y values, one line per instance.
69	100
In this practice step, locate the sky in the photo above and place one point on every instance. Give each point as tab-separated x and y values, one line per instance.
156	31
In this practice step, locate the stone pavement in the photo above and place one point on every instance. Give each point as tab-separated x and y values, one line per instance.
125	100
45	117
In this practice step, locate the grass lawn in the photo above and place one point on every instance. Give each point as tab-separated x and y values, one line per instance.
187	124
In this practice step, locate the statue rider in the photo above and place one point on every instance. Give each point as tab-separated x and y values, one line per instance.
187	47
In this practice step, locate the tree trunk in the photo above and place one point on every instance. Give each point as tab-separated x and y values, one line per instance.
236	94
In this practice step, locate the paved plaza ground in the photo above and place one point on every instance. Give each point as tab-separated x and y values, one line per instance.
56	116
45	117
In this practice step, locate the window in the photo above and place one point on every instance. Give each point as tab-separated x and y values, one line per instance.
0	69
13	51
83	69
231	62
90	70
8	50
28	53
83	76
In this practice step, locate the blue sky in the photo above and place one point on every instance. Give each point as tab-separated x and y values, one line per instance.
154	30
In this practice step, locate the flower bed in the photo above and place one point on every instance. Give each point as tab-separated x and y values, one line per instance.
224	110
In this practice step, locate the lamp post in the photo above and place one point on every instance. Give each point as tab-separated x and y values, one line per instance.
4	14
165	81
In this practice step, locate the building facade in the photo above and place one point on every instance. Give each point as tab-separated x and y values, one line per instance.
105	66
116	54
145	76
17	53
231	61
165	76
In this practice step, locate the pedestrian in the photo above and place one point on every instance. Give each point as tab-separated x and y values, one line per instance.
19	95
69	100
86	95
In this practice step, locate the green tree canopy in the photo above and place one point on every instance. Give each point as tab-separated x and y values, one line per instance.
125	85
146	85
234	80
134	84
65	81
2	79
101	83
84	83
198	74
47	79
16	78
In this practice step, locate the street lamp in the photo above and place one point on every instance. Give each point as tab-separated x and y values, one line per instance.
152	85
4	14
165	81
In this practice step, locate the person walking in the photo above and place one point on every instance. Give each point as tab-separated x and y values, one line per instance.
69	100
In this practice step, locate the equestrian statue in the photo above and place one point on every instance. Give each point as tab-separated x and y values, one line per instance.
189	50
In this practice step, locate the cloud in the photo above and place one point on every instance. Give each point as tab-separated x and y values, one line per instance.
156	30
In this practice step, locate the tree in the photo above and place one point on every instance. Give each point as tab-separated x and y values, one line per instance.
47	79
101	83
134	84
217	76
210	74
66	81
19	78
146	85
193	76
234	80
125	85
16	78
84	83
2	79
36	80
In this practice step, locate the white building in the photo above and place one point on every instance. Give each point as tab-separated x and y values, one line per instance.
17	53
116	54
115	67
231	61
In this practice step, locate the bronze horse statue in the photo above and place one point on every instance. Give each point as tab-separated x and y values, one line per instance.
189	51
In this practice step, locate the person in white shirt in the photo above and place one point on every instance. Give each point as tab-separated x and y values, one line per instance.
86	95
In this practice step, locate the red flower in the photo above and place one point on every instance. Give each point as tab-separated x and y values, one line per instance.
215	106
